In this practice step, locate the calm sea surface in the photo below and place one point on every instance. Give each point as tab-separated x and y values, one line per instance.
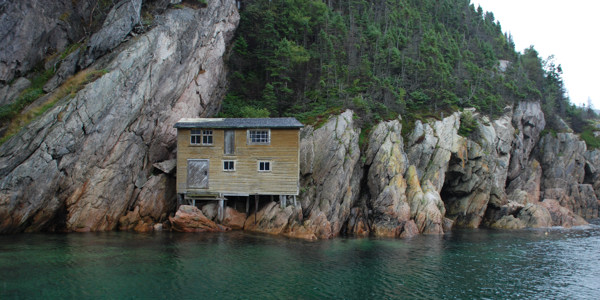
562	264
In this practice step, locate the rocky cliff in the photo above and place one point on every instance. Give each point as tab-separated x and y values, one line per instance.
503	175
101	158
89	160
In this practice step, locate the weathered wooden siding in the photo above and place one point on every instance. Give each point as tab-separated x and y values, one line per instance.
246	179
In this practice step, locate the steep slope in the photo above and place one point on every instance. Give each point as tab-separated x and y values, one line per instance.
89	159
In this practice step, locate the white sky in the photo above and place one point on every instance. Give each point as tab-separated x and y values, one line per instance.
568	29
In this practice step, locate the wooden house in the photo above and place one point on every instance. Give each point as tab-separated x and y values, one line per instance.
219	158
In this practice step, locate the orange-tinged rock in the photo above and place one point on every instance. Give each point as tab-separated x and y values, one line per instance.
234	219
190	219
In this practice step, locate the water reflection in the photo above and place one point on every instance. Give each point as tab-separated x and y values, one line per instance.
554	263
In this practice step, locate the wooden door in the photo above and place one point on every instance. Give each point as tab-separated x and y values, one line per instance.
229	147
197	173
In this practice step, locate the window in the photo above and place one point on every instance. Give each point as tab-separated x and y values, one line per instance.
207	137
201	137
229	165
259	137
264	166
229	147
196	137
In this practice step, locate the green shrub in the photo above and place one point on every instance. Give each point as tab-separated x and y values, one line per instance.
468	124
591	141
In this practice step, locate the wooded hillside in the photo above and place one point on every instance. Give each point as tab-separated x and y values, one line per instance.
383	57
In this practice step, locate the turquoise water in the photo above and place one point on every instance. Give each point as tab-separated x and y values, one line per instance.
563	264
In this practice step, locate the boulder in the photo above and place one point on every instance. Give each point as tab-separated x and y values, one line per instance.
190	219
272	219
118	24
562	216
167	166
233	218
210	210
508	222
535	216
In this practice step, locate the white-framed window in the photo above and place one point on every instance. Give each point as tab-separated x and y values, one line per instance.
229	165
201	137
259	137
264	166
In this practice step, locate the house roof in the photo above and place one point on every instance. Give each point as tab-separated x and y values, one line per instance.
285	123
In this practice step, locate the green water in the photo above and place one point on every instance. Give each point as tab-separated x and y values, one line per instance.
562	264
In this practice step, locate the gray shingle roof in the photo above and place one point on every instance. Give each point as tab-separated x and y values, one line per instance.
239	123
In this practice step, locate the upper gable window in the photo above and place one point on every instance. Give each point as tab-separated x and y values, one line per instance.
201	137
259	137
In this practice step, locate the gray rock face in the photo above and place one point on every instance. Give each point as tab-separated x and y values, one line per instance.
592	170
564	163
387	163
426	207
9	93
118	24
32	29
330	175
477	172
525	188
429	148
87	160
528	120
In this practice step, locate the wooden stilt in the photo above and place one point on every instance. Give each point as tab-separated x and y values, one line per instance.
256	207
295	205
220	210
283	199
247	205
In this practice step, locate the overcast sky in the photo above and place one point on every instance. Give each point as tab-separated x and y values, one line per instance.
568	29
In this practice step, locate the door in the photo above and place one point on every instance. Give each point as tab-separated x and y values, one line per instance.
229	146
197	173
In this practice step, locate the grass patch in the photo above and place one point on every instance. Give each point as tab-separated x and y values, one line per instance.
30	94
587	135
551	131
68	89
